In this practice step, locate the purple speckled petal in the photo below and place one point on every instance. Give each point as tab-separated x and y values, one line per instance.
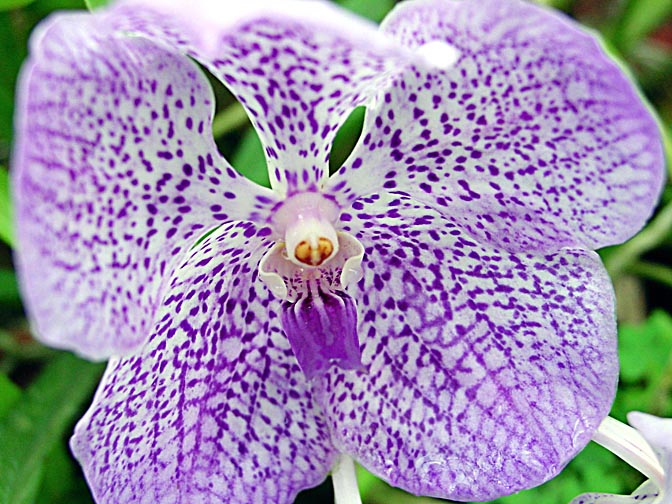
322	329
534	139
298	67
115	175
487	370
214	408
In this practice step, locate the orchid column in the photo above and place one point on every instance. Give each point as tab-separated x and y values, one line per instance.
434	309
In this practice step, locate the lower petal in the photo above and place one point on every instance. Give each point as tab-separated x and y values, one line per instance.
214	408
486	371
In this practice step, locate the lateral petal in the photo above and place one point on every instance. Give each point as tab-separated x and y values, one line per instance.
486	371
115	174
214	408
529	136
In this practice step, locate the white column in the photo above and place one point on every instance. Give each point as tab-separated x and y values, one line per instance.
345	481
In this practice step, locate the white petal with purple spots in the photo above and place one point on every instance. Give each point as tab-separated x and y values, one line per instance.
298	67
532	140
487	371
115	176
214	408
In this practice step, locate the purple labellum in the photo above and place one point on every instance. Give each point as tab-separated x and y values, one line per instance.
322	329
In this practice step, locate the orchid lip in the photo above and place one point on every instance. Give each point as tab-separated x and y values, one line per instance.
322	329
318	316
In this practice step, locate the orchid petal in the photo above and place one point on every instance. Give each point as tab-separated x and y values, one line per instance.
115	176
527	135
214	408
658	433
487	371
647	493
298	67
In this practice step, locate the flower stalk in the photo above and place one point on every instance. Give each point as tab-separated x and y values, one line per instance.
658	229
344	479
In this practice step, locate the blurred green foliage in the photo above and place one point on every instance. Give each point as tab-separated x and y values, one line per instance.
6	226
32	429
43	391
13	4
96	4
638	18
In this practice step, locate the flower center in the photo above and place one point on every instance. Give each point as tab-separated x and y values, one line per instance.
310	271
307	223
312	250
315	251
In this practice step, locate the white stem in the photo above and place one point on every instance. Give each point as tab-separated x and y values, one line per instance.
345	481
628	444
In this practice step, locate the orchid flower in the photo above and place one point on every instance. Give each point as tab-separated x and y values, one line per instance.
648	448
433	310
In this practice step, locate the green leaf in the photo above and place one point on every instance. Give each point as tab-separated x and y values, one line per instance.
13	4
9	394
564	5
346	139
375	11
230	119
36	423
249	159
57	474
13	42
639	18
6	223
366	482
19	346
60	481
42	8
646	367
96	4
667	142
9	289
644	349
